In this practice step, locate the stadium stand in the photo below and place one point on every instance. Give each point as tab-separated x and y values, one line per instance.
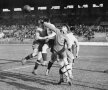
84	21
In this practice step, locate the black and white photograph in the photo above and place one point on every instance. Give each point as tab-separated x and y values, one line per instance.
53	45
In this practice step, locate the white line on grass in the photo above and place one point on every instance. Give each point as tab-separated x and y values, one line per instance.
17	68
21	67
93	56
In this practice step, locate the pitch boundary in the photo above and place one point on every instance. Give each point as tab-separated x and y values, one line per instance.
94	43
80	43
17	68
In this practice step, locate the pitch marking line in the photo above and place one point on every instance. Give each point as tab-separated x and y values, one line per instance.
17	68
22	67
93	56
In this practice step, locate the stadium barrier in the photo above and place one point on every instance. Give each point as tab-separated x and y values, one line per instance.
94	43
29	41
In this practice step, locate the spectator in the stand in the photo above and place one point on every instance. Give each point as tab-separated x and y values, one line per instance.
107	36
1	34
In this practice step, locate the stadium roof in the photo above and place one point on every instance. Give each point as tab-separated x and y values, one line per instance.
21	3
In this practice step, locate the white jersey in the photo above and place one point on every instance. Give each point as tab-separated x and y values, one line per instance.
51	34
71	38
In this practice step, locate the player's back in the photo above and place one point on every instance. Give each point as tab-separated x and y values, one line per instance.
59	41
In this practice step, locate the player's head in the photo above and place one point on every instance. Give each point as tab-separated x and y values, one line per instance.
65	28
44	18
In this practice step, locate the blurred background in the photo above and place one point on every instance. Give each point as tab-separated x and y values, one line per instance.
88	19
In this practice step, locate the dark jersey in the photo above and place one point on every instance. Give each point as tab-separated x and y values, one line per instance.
42	32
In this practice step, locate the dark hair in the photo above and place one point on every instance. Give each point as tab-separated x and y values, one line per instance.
67	26
44	18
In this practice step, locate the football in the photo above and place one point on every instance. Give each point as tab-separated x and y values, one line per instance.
27	8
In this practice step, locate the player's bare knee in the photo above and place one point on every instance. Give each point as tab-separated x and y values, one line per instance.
44	48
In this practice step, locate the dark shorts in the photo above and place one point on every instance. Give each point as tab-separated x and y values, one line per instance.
40	43
51	44
60	54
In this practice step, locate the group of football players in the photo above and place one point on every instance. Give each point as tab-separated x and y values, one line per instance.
61	42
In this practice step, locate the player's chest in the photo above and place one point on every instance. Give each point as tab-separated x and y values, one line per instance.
60	39
43	33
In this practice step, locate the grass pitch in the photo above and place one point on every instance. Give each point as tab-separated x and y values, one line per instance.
88	70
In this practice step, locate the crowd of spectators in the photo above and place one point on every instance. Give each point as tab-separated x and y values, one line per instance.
27	30
87	31
18	31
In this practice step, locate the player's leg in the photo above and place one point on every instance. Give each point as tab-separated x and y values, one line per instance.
64	68
73	52
63	71
68	67
50	63
39	57
30	56
61	76
53	57
50	44
37	63
44	54
24	60
70	59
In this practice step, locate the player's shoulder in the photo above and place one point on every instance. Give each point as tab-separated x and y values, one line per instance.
39	29
65	36
70	35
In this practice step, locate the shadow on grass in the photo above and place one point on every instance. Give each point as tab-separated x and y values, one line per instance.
32	61
8	61
22	86
105	71
24	77
13	79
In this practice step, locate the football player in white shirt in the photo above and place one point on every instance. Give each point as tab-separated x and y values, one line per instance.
74	43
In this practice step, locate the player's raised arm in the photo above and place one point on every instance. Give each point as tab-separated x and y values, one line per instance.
77	47
50	26
51	35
